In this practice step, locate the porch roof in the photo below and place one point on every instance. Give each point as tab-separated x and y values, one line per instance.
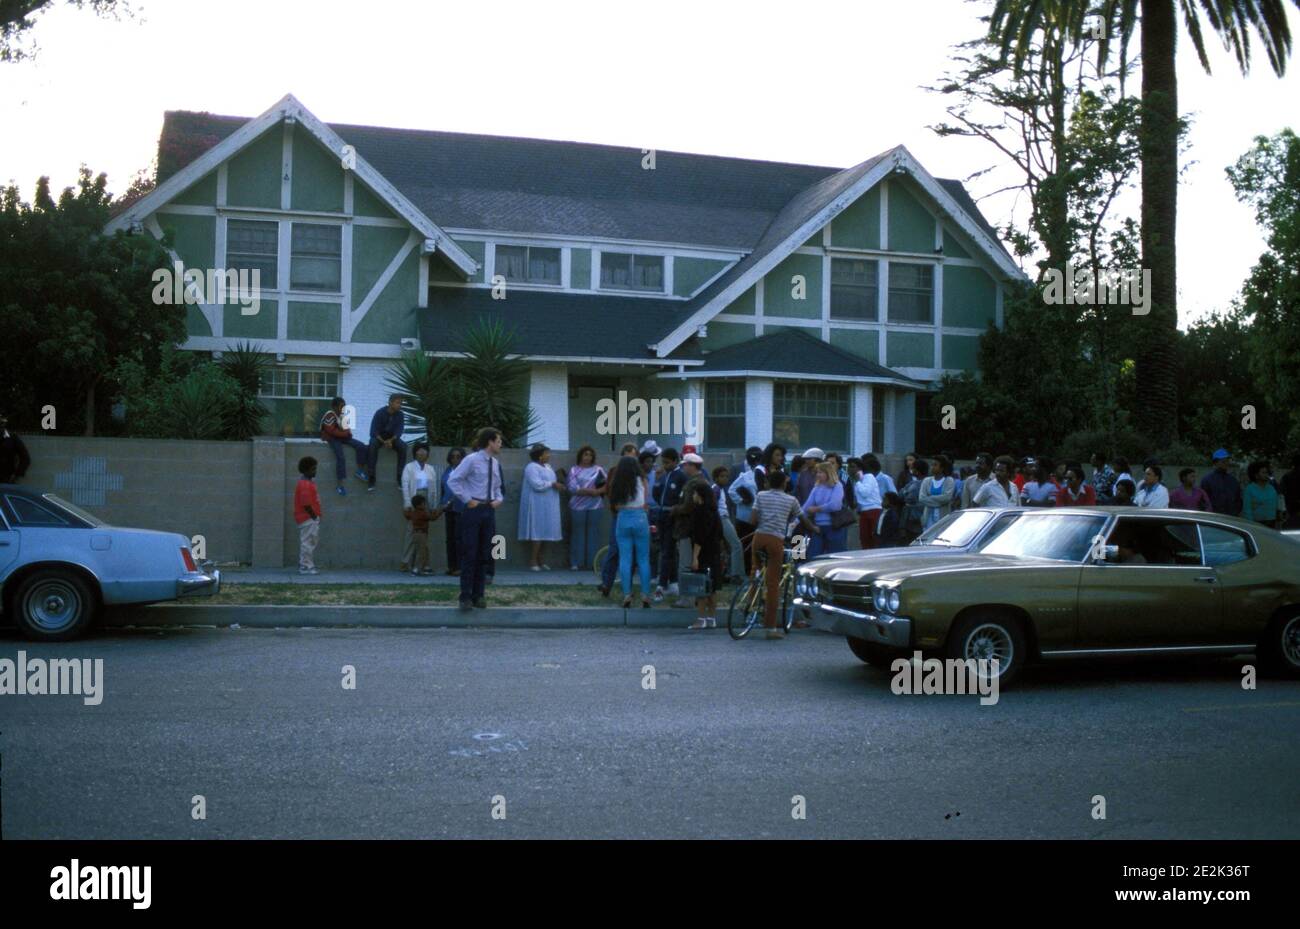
793	353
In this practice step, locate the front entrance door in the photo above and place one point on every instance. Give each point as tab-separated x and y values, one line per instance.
583	417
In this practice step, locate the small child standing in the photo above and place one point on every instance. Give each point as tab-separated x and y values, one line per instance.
420	518
306	513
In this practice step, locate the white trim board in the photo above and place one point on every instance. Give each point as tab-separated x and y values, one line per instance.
897	160
289	108
789	376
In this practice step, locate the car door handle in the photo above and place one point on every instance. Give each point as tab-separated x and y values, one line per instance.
1208	580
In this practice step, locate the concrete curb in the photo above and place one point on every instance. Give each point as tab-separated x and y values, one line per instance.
403	617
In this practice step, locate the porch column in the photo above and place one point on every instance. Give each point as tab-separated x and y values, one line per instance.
860	440
758	411
693	413
548	395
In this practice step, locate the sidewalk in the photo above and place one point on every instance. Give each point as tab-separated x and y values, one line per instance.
506	578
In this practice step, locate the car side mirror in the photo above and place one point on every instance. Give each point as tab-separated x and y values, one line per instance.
1111	554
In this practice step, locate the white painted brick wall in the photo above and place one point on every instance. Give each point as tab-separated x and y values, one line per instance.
548	395
362	386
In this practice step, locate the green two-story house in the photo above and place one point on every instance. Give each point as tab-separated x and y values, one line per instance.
813	305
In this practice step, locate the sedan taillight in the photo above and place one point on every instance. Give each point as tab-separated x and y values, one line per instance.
189	559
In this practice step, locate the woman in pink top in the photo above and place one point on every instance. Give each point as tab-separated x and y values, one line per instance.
1189	496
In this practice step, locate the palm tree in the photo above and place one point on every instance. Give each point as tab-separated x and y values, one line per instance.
1015	23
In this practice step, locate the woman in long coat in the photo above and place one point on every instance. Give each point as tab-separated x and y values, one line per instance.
539	506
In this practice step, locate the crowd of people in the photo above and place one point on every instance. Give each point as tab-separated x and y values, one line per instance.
683	532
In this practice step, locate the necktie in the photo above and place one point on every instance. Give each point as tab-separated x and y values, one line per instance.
490	470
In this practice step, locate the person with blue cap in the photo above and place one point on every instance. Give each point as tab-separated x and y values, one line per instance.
1221	486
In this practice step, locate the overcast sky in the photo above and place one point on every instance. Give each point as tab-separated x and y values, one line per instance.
814	82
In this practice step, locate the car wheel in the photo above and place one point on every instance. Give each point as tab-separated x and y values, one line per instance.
873	653
990	636
1279	651
53	606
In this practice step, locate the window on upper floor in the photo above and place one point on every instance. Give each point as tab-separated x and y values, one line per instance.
526	264
253	246
622	271
317	259
855	288
911	293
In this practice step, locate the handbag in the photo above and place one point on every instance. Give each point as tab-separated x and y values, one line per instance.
694	583
843	518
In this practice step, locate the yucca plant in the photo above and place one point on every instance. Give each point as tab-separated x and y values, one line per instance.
245	364
495	379
452	398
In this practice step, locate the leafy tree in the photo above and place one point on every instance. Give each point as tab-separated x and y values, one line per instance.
1014	24
17	17
73	301
1067	131
1268	178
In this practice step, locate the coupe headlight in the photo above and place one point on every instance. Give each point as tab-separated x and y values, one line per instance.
880	598
801	585
893	600
814	588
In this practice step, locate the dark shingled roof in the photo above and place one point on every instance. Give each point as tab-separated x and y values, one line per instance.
794	351
508	184
549	323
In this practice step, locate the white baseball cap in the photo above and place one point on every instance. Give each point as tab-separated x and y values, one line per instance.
814	452
651	446
692	458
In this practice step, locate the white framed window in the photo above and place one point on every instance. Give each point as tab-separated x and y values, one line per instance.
911	292
527	264
855	285
299	383
253	245
316	260
625	271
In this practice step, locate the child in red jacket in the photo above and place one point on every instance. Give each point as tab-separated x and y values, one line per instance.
306	513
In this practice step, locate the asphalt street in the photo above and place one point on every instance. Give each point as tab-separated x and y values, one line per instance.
558	727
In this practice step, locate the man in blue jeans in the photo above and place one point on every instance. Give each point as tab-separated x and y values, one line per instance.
334	430
386	428
477	483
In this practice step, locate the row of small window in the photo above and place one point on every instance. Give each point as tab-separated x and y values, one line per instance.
529	264
315	253
803	415
299	384
855	291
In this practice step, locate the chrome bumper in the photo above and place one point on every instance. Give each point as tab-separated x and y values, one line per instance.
205	582
895	631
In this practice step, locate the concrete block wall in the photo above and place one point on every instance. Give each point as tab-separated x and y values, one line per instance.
194	488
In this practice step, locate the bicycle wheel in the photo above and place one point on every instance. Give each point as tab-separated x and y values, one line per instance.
598	563
746	610
787	602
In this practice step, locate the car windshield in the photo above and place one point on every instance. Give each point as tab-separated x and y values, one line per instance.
1062	538
956	529
73	509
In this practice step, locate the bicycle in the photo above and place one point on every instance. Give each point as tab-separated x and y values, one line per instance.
750	599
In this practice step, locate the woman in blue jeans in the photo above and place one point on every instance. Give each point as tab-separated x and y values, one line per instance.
628	493
587	485
825	500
